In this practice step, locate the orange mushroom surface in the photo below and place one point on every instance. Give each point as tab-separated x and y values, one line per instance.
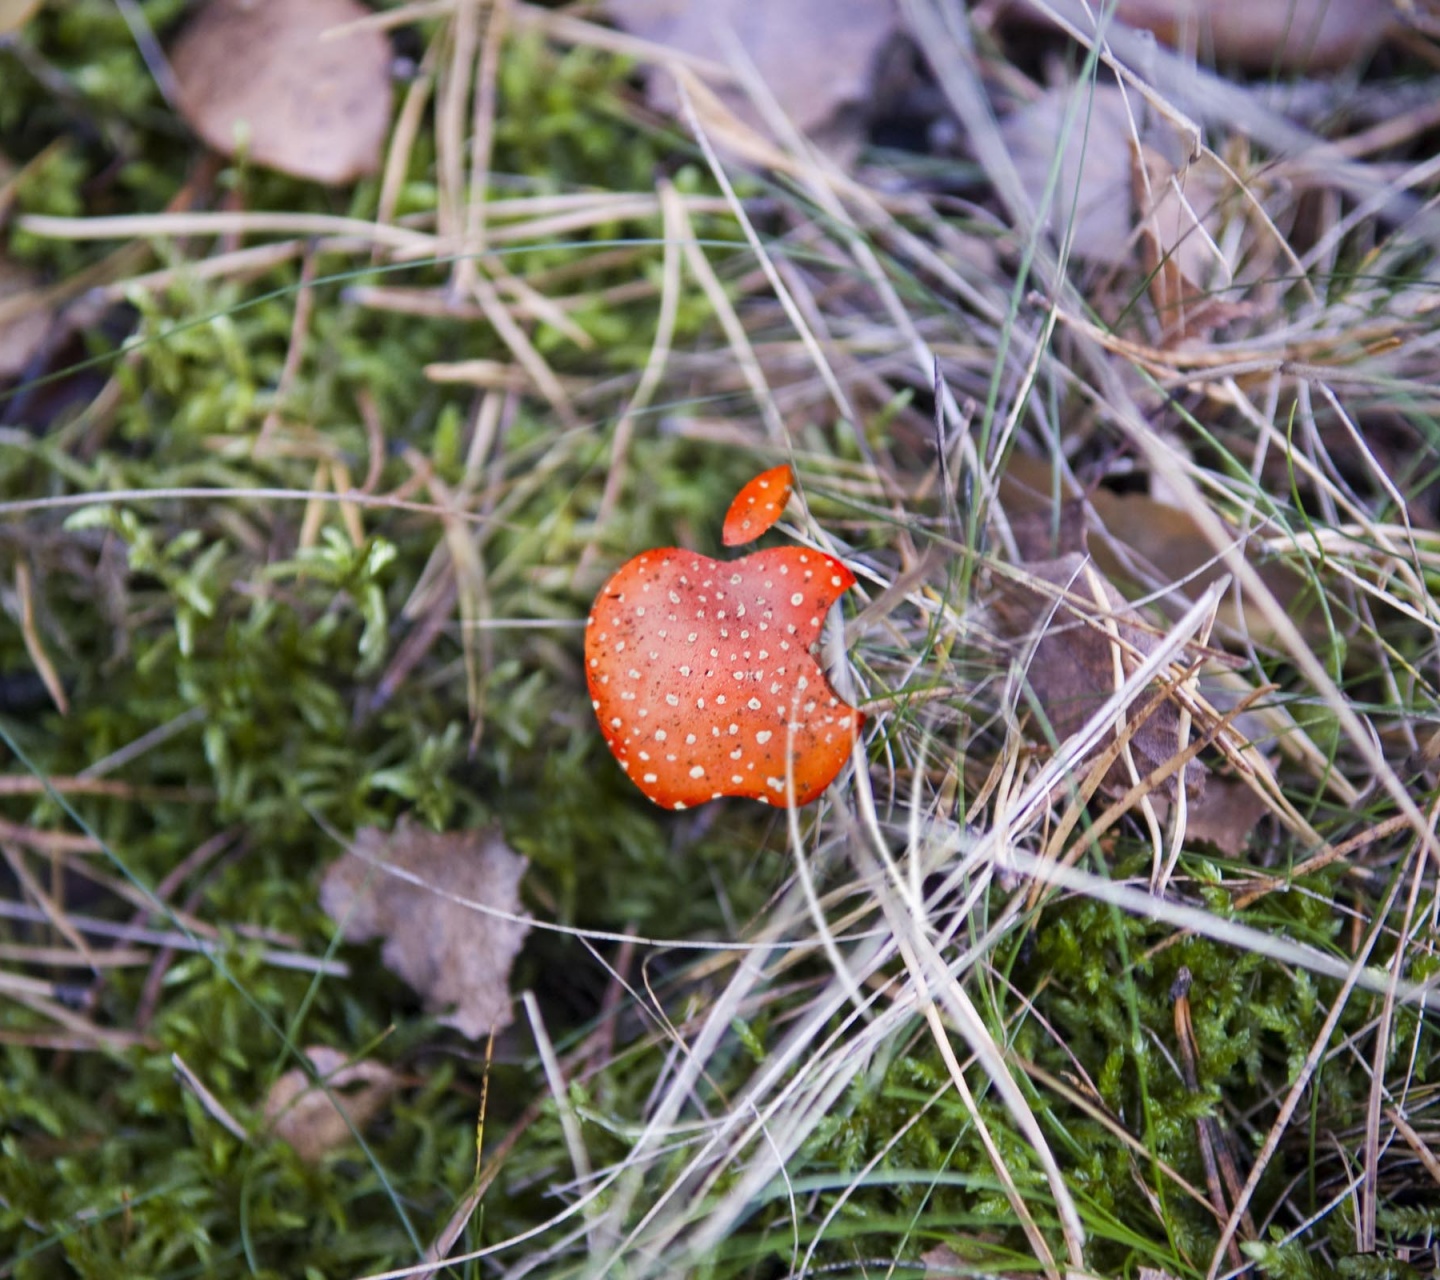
703	678
757	506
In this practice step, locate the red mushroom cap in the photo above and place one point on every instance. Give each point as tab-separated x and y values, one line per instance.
703	680
757	506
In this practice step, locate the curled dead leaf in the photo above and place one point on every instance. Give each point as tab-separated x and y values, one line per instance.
316	1120
276	80
427	894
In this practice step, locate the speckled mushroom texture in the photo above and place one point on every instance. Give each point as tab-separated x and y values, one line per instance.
703	678
757	506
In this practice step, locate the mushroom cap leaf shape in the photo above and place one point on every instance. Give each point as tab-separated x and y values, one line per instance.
703	680
757	506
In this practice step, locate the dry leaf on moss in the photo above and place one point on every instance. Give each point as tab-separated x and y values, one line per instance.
24	318
272	79
316	1122
1072	668
818	58
446	949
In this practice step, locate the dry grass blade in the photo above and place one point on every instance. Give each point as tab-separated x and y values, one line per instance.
676	230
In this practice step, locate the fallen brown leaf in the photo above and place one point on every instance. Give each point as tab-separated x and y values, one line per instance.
1072	667
1092	196
1129	196
424	893
1167	539
316	1122
1137	538
816	57
1266	35
1043	533
1225	815
269	78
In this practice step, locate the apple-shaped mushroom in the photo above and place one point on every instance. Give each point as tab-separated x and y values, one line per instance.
702	672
